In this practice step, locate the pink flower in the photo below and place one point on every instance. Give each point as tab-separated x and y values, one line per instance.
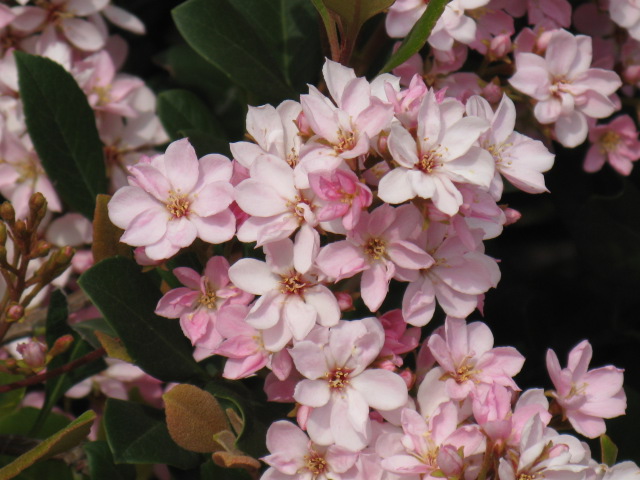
198	303
616	143
291	301
339	386
341	195
587	397
466	354
295	457
443	152
566	89
626	13
174	199
380	241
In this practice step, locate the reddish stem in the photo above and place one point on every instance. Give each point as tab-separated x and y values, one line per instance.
88	358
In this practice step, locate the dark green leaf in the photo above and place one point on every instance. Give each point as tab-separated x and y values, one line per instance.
289	28
222	36
330	28
10	400
60	442
182	110
49	470
138	434
608	450
206	143
87	328
63	130
22	421
102	465
127	299
418	35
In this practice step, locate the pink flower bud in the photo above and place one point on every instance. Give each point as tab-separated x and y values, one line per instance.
345	302
512	215
303	126
302	416
500	46
15	312
492	92
33	353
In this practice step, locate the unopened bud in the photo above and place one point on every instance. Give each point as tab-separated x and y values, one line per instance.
61	345
15	312
3	234
303	125
20	228
345	302
7	213
37	202
41	249
33	353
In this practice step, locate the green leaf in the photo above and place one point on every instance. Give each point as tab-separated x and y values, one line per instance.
182	110
330	28
60	442
21	423
102	465
9	401
87	328
62	127
138	434
223	37
57	326
206	143
608	451
288	28
418	35
127	299
49	470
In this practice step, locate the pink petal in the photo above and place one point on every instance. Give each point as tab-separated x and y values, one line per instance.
253	276
371	383
215	229
181	164
83	34
312	393
124	19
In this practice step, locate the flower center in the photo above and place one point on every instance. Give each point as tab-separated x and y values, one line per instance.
346	141
375	248
429	161
463	373
338	378
103	93
609	141
178	205
293	284
208	299
316	464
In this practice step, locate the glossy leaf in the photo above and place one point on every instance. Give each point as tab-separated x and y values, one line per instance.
418	35
61	441
102	465
288	28
223	37
138	434
62	127
127	299
181	110
194	416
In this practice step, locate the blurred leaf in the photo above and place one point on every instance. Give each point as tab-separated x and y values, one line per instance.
193	417
418	35
608	451
87	330
354	13
181	110
330	28
289	28
127	299
235	460
57	326
223	37
22	421
9	401
60	442
106	236
210	470
113	346
102	465
63	130
48	470
138	434
206	143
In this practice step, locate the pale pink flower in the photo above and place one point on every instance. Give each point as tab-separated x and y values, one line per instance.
33	353
339	386
466	354
379	242
442	154
291	301
566	89
274	132
587	397
398	339
616	143
427	443
199	303
520	159
340	195
295	457
626	13
174	199
542	453
456	279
